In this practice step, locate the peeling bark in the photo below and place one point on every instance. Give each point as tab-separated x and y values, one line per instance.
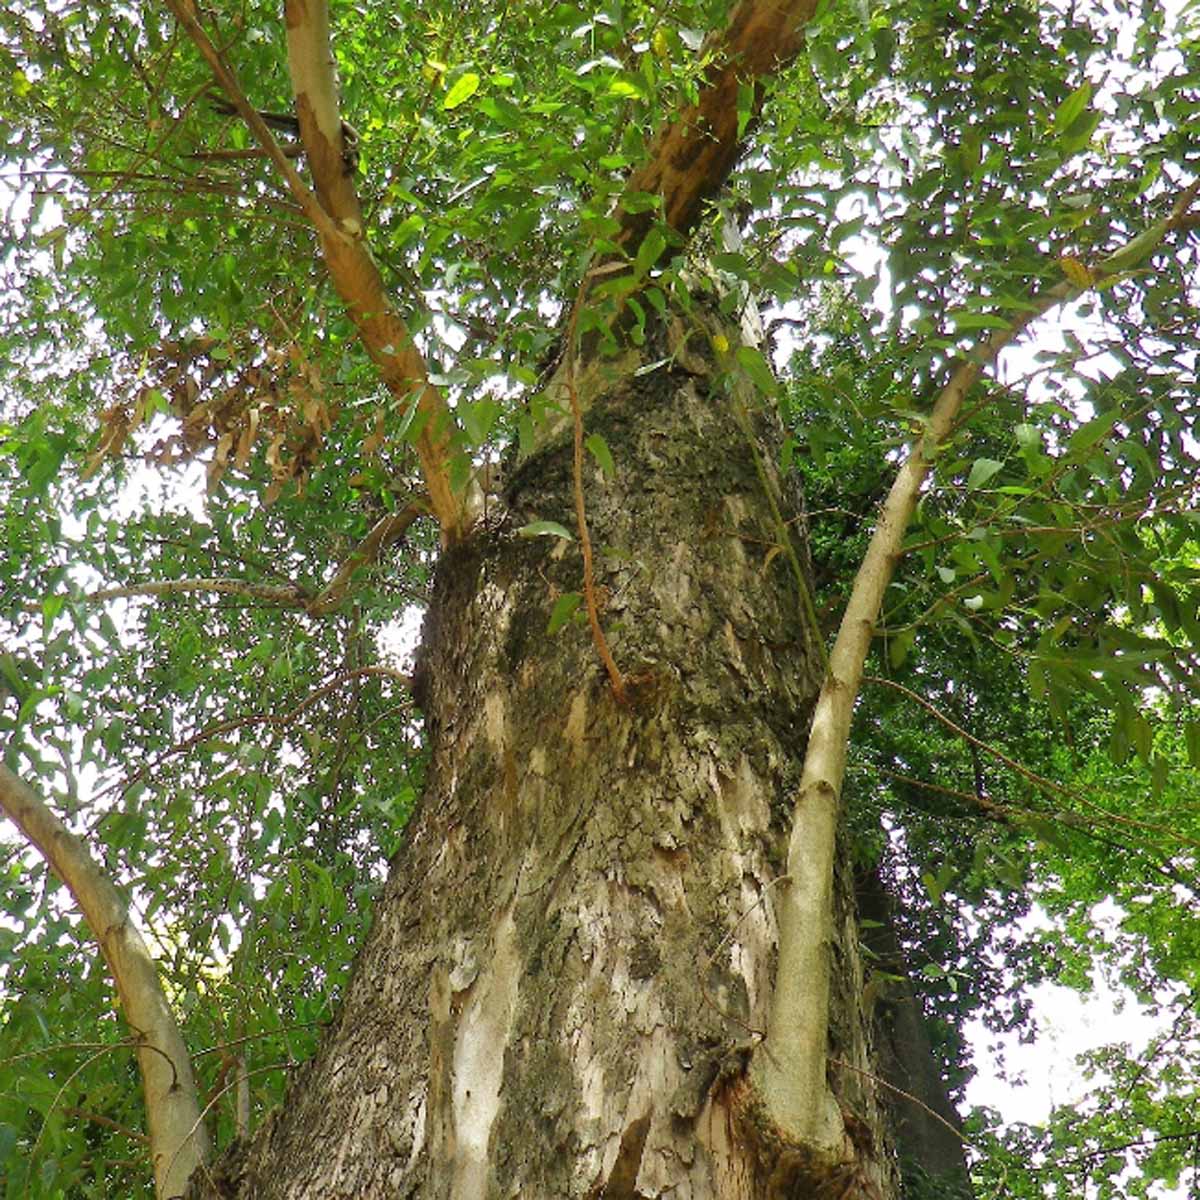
577	945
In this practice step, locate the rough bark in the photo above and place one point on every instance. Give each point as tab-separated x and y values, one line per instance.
577	943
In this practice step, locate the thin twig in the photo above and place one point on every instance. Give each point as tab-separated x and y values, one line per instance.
108	1123
585	541
234	723
891	1087
1033	777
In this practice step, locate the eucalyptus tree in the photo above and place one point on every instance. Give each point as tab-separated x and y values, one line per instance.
461	311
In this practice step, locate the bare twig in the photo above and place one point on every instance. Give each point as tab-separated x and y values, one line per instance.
281	721
1040	781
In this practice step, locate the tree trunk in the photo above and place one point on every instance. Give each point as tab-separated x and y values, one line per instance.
576	946
926	1129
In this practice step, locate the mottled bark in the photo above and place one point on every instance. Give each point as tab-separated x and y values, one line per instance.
577	944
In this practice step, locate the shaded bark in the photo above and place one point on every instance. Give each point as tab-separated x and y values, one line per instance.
924	1122
577	944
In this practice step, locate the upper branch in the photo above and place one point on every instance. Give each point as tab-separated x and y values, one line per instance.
337	218
692	155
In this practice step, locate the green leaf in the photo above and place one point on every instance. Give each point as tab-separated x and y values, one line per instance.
461	91
966	319
478	419
413	420
653	244
600	452
981	471
546	529
51	607
1048	832
564	609
1086	436
899	645
1072	107
1191	738
627	86
752	362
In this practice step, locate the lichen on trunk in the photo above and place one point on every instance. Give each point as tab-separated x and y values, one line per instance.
576	946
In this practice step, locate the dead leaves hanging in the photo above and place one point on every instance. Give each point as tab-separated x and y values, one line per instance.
227	401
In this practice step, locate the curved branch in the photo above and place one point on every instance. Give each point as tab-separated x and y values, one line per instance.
178	1140
383	534
792	1075
280	721
1040	781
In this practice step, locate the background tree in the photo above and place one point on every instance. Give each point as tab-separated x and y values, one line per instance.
571	985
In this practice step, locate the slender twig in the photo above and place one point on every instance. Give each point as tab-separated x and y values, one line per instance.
289	596
891	1087
234	723
66	1083
108	1123
1104	1151
585	541
1039	780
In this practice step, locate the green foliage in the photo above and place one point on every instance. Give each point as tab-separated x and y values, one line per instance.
969	844
241	772
226	761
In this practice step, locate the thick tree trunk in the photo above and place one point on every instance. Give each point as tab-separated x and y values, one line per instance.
577	942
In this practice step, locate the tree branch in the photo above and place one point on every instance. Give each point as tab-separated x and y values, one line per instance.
281	721
1040	781
692	156
383	534
286	596
337	218
386	532
178	1140
792	1076
107	1122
